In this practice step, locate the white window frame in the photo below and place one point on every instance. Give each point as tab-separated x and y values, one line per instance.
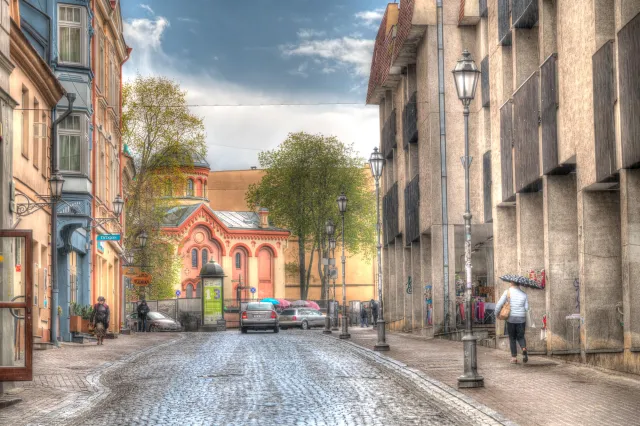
82	136
84	34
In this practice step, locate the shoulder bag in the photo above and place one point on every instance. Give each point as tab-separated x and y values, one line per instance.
506	308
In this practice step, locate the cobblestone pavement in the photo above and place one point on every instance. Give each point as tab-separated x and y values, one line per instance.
67	377
293	378
544	391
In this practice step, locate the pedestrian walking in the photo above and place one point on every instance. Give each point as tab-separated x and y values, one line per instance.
364	317
100	319
143	310
374	312
513	307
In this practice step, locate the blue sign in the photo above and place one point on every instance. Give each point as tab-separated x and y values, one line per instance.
109	237
178	293
100	247
253	289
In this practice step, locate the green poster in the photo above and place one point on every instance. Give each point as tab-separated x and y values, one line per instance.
212	300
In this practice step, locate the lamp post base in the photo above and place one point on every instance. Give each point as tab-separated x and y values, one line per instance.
470	378
327	325
382	344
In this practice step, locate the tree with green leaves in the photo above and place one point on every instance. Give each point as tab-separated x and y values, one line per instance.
303	177
164	138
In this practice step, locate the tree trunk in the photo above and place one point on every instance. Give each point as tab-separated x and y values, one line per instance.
302	268
313	250
323	284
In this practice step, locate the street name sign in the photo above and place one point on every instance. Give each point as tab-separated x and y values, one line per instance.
109	237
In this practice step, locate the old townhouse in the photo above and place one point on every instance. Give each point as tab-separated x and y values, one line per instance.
554	186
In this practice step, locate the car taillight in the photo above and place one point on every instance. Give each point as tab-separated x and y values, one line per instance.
244	315
294	318
274	315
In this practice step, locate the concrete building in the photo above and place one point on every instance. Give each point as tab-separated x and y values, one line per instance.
555	139
227	191
38	91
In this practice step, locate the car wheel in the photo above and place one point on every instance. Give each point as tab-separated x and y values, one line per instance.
243	330
276	329
305	325
153	328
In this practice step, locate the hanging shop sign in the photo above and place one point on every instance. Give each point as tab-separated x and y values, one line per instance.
142	280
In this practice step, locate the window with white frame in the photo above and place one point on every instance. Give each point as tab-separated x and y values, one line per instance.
72	35
101	65
70	137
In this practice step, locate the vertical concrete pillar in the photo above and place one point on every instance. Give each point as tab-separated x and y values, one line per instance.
400	279
392	294
386	289
406	297
601	331
440	316
530	225
561	263
505	258
630	225
417	303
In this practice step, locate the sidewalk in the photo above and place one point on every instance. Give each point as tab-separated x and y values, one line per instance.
63	377
542	392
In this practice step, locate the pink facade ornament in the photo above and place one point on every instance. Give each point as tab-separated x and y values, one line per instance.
253	244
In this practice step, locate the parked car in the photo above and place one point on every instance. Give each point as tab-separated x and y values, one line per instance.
259	316
304	318
155	322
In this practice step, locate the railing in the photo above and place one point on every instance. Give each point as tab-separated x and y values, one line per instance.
410	121
524	13
506	151
549	115
390	215
504	22
412	211
628	65
389	135
604	98
525	134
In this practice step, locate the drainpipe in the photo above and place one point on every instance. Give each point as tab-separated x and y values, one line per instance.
443	165
71	97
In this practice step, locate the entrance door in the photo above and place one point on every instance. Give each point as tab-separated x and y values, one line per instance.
265	273
16	280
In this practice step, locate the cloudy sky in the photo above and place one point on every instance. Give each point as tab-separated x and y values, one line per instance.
262	52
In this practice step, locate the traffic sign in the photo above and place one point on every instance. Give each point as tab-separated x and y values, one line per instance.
109	237
253	289
178	293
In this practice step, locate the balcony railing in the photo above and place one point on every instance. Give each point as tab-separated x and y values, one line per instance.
604	98
390	214
525	134
504	22
410	121
549	115
628	65
389	135
506	151
412	211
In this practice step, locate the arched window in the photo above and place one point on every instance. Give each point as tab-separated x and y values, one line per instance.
205	256
238	261
168	188
190	188
204	191
194	258
189	291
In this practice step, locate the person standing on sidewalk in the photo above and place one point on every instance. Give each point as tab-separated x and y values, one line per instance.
100	319
519	304
374	312
364	318
143	310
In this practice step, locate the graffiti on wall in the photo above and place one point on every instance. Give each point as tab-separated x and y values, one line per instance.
428	300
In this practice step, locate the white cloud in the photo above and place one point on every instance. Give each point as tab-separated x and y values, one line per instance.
301	70
308	33
370	18
269	124
328	70
147	8
352	52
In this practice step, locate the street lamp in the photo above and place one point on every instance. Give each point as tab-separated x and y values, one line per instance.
118	205
465	75
330	228
376	162
142	239
56	183
342	206
128	257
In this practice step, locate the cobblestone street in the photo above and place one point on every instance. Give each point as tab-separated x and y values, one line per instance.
294	378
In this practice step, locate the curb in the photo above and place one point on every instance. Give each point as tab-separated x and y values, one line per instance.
8	401
422	377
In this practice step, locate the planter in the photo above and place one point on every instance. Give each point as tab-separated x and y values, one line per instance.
75	323
84	327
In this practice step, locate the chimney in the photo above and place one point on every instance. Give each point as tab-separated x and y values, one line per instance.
264	217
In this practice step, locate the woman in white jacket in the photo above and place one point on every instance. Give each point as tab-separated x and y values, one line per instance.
516	321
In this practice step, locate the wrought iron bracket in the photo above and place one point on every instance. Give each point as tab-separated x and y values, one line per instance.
25	209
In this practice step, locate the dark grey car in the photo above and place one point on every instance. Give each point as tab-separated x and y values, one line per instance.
259	316
304	318
155	322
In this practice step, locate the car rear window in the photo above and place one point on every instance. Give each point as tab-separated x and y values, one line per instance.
289	312
259	307
155	315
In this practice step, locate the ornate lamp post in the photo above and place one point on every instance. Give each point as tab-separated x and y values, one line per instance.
465	75
376	162
330	228
332	246
342	206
